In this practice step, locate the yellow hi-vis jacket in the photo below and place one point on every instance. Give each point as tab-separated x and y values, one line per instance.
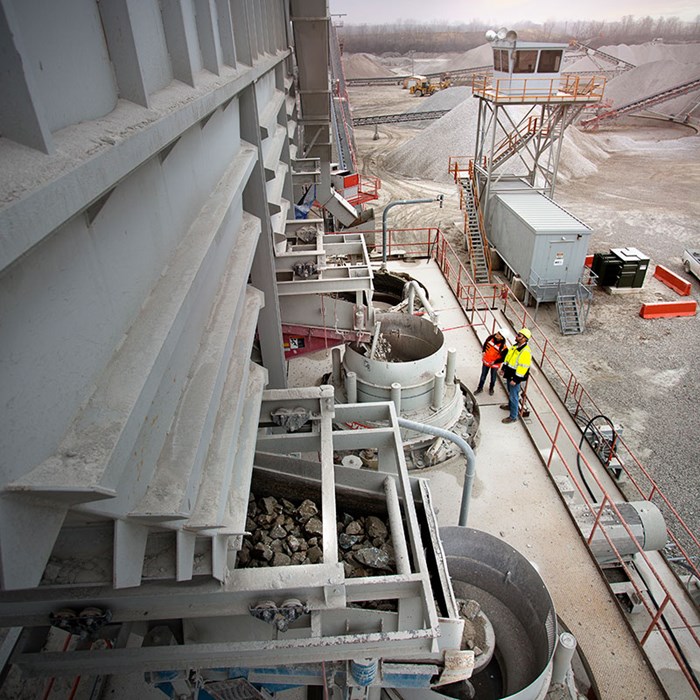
517	363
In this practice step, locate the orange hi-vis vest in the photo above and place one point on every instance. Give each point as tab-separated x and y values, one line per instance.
493	355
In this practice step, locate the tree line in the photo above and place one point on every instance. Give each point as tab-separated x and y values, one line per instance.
403	36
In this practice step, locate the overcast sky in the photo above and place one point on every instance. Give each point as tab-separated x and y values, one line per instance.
504	11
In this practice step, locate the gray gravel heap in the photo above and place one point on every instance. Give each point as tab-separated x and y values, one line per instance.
284	533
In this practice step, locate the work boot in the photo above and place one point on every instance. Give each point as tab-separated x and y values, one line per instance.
505	406
508	420
478	391
491	391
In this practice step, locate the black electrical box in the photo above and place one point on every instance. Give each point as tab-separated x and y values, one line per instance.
634	267
607	267
621	267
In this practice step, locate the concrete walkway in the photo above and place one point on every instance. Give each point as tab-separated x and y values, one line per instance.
515	498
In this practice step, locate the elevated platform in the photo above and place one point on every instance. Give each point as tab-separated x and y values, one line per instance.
518	500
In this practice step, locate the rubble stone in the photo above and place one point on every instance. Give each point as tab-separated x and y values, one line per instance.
269	504
375	528
373	557
306	510
284	534
281	559
354	527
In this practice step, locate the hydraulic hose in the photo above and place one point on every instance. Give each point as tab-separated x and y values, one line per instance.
578	453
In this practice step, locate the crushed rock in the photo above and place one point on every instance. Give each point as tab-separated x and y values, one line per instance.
364	65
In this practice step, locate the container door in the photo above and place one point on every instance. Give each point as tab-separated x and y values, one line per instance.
558	260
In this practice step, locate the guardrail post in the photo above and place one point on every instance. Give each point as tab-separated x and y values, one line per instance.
554	440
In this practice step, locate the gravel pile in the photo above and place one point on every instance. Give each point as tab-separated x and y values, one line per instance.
362	65
639	55
286	534
652	78
427	153
659	67
580	156
443	99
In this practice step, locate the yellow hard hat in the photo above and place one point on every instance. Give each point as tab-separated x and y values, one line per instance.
525	332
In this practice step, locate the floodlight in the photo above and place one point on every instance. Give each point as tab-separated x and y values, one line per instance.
512	35
501	34
491	35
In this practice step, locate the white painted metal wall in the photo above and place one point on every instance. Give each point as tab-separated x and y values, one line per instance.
144	147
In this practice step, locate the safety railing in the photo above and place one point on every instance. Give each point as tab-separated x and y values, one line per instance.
568	88
368	188
480	302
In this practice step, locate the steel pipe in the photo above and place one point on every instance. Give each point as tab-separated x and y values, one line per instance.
411	290
470	472
563	655
398	536
396	396
438	390
451	368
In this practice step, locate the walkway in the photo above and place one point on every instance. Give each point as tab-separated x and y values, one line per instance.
516	499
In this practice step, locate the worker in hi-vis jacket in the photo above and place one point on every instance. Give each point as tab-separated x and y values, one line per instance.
516	368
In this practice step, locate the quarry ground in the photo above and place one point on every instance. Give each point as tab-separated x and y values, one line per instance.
643	374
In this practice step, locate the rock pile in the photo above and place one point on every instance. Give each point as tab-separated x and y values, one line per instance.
364	65
286	534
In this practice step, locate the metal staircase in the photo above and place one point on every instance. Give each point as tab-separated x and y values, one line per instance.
474	238
512	143
570	320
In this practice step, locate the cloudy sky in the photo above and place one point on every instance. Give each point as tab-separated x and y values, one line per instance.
505	11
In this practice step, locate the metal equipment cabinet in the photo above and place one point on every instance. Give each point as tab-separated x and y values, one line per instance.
539	240
633	269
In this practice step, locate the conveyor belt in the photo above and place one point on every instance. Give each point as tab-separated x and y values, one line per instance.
645	102
396	118
397	79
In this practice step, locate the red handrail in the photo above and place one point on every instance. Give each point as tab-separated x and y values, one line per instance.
479	302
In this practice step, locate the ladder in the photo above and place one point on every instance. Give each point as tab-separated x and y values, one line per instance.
472	231
570	321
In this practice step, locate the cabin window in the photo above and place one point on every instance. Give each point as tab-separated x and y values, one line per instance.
500	60
549	61
525	62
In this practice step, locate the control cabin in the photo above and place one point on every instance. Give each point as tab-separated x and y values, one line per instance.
527	67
